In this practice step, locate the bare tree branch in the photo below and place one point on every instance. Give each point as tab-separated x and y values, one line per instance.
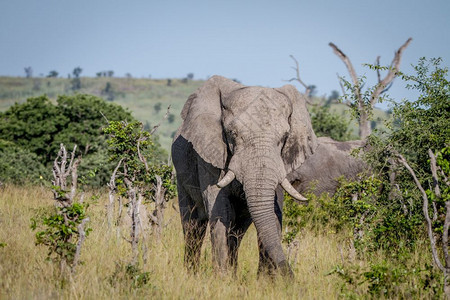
81	238
112	191
141	157
436	259
60	173
393	70
159	124
446	228
343	90
377	64
299	80
437	190
107	121
297	75
350	68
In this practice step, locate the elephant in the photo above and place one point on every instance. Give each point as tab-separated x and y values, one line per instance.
236	150
331	160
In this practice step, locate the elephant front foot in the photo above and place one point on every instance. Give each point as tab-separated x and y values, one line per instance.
220	251
269	268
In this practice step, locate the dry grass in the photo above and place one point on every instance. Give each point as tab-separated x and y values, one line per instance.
26	274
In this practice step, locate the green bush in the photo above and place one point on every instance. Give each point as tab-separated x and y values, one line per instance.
326	123
132	145
387	279
19	165
424	123
59	231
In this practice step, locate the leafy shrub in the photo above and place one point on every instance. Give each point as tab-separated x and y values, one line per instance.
358	209
130	275
388	280
131	144
424	123
59	231
18	165
326	123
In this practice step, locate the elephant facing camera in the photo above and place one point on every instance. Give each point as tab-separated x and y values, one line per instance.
236	151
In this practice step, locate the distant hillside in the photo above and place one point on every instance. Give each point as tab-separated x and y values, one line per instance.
147	99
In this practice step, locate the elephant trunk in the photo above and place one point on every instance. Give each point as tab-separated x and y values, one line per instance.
261	176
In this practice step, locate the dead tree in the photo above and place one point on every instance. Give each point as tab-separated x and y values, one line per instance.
65	197
300	81
157	217
444	265
112	195
61	171
365	106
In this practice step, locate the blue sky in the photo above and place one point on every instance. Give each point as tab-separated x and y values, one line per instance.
247	40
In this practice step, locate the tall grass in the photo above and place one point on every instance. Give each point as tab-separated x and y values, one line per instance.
26	274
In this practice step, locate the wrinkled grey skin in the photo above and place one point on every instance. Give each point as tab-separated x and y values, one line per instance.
331	160
263	135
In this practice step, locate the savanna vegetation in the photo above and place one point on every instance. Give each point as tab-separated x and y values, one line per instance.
382	236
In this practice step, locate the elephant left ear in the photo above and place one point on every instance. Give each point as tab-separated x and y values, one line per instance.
301	141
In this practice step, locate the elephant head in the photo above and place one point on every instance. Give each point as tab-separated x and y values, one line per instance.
257	136
331	160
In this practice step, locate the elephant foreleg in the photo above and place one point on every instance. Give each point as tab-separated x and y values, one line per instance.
235	237
220	222
217	203
194	221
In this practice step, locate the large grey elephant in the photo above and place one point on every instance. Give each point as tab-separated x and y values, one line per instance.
236	150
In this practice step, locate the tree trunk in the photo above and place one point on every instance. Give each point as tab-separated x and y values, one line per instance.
364	125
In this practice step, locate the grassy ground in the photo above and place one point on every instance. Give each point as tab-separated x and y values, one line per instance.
26	274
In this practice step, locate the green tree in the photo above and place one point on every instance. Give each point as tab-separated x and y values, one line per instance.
333	97
76	81
326	123
424	123
109	92
157	107
385	212
20	166
52	73
28	72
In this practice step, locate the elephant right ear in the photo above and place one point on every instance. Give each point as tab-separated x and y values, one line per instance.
301	141
202	122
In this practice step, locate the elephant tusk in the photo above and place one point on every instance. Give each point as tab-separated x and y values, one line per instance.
227	179
292	191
